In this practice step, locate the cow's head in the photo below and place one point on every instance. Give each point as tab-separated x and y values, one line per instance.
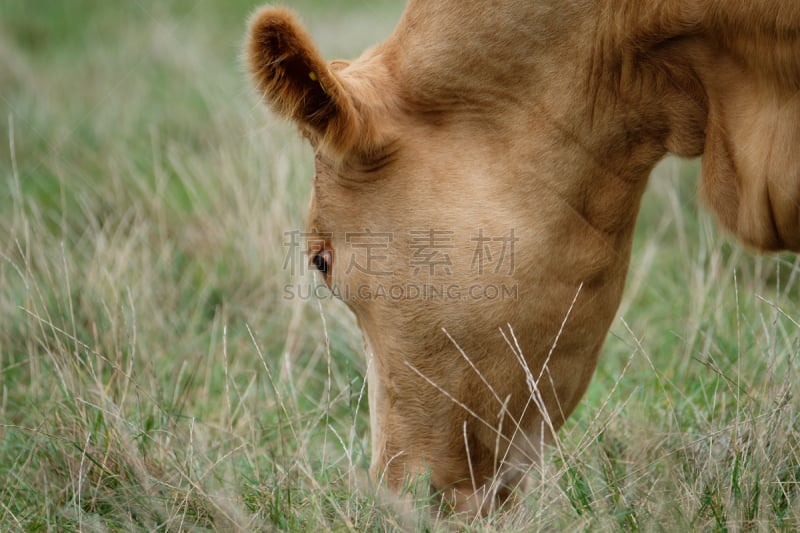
478	177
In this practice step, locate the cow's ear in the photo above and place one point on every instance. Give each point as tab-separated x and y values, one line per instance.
297	83
751	159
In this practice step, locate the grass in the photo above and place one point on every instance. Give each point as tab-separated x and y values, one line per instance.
154	376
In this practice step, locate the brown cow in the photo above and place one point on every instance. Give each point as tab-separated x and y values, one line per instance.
478	177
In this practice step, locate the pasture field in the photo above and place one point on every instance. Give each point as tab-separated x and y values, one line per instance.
156	375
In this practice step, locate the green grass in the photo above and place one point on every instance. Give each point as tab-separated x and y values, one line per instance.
154	377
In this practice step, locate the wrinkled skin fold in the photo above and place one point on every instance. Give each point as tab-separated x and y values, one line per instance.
504	147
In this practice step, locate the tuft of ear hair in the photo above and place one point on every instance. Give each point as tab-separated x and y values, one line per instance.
297	83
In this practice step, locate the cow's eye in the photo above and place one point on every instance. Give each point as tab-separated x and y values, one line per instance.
323	261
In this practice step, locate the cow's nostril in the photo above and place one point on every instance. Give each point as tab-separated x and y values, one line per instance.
323	260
